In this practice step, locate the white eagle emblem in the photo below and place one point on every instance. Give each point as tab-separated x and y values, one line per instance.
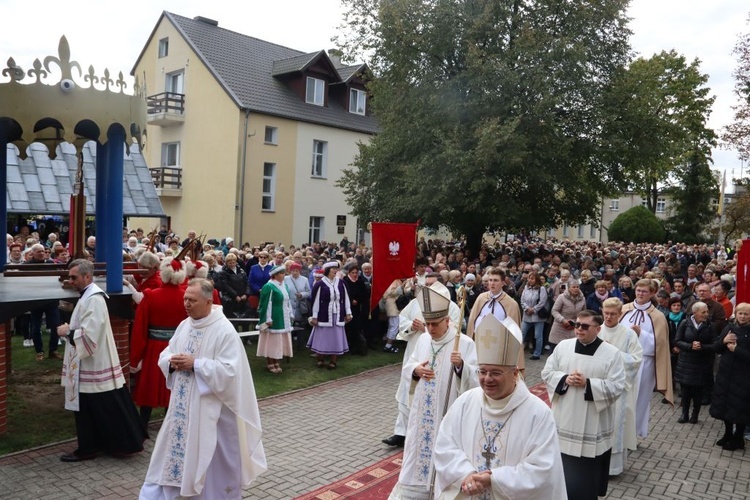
393	246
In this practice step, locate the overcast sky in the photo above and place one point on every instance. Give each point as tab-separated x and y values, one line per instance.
111	33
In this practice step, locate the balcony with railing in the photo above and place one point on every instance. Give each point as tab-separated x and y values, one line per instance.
166	109
167	180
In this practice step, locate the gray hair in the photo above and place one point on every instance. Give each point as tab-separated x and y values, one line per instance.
85	267
207	288
149	260
36	247
699	306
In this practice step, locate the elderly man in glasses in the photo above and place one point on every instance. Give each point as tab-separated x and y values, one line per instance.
498	440
584	377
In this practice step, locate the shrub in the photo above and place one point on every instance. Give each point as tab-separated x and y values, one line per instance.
638	225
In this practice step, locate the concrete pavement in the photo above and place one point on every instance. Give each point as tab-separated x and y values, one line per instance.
315	436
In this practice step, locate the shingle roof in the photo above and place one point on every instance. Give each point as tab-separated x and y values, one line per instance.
244	66
346	72
38	185
293	64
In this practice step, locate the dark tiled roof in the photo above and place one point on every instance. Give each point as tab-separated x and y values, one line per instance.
38	185
293	64
346	72
244	66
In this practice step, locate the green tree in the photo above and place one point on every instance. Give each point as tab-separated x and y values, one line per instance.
638	225
737	218
697	186
490	111
737	134
661	106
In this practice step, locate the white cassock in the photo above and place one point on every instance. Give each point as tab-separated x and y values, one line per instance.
526	463
625	438
209	445
646	380
427	405
585	427
405	319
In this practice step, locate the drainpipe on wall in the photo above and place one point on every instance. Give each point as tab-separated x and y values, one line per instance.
242	178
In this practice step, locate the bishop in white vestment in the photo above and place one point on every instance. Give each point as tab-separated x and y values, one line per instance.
437	374
209	445
411	327
626	340
499	441
584	378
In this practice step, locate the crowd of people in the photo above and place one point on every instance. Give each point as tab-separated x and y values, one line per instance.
616	323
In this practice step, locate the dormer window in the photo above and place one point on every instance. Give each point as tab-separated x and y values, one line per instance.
315	91
357	101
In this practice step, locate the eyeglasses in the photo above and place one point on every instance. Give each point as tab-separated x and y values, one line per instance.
433	324
494	374
582	326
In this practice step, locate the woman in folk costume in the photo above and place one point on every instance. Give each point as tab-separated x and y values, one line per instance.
157	316
331	310
199	269
275	321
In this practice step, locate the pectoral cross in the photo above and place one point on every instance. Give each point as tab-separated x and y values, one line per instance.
488	456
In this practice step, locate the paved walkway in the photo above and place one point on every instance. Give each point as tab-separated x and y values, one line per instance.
315	436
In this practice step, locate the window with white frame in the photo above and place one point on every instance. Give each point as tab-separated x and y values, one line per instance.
565	229
661	205
269	187
614	205
592	233
644	202
170	154
316	229
319	158
164	47
315	93
175	82
272	135
580	230
357	101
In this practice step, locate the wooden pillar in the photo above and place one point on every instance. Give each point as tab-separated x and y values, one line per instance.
120	328
4	371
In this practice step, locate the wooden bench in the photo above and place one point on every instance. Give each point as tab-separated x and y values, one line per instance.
245	327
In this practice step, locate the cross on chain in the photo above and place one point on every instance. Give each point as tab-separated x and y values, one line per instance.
488	456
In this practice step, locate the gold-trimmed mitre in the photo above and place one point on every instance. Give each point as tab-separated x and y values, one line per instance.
498	343
432	304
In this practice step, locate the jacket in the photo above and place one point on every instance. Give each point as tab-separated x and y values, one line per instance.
565	308
731	396
692	365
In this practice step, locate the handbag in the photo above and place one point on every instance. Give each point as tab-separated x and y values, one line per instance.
302	304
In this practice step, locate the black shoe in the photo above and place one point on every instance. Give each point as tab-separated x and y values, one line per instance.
665	401
393	349
731	445
683	419
694	418
534	357
72	457
724	439
394	440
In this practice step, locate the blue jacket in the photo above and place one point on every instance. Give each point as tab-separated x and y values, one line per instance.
258	277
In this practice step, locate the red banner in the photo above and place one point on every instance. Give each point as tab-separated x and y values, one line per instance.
394	249
742	290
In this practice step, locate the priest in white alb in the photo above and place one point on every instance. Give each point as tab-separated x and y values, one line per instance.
438	373
631	351
584	377
410	328
209	445
499	441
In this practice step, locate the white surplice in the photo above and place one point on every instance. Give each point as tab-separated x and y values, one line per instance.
526	463
405	319
209	445
585	427
646	379
626	340
427	405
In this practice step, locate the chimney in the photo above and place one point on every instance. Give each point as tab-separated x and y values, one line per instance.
335	56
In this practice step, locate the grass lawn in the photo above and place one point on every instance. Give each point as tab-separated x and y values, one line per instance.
36	414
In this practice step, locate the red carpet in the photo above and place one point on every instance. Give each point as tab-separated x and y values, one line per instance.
372	483
376	481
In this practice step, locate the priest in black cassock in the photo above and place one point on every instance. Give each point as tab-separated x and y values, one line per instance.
584	378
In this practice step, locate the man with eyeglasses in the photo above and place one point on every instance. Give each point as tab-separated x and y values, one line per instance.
437	375
499	440
106	418
584	377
